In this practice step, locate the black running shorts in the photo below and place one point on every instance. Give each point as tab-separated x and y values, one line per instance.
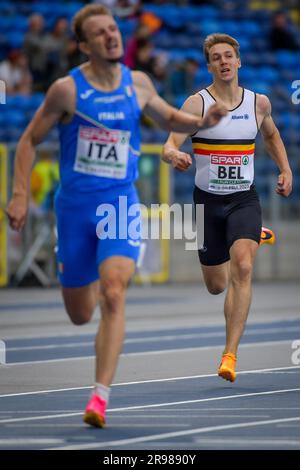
227	218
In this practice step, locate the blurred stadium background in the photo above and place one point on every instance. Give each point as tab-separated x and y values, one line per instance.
171	52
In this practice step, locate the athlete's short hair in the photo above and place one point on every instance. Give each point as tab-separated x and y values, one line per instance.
83	14
218	38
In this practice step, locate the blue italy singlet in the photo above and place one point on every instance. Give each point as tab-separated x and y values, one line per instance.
98	165
101	145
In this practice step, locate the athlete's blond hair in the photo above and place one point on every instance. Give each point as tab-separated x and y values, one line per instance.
83	14
218	38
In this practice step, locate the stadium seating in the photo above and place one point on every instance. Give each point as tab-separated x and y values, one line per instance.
181	36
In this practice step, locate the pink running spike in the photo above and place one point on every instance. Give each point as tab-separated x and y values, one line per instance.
95	411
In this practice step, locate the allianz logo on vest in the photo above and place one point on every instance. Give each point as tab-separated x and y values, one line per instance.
110	116
241	116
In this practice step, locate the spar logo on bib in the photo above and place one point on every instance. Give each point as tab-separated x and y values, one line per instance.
229	172
228	166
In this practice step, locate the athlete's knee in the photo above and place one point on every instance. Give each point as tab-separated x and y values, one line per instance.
241	270
112	294
216	287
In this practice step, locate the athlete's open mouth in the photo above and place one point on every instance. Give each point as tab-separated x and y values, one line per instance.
225	70
112	47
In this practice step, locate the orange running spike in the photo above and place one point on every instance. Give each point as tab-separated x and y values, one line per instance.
227	367
267	236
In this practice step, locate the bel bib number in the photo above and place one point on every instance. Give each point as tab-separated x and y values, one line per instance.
230	173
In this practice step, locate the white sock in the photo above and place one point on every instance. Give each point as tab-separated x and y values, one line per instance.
103	391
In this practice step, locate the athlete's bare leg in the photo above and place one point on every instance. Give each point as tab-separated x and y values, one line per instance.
238	298
80	302
216	277
237	274
115	274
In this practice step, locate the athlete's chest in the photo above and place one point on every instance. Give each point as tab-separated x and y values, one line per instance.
239	124
114	111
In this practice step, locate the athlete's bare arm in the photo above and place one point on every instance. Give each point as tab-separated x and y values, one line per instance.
274	145
171	150
58	104
171	153
166	116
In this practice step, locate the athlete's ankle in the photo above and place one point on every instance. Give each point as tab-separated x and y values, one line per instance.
230	352
102	390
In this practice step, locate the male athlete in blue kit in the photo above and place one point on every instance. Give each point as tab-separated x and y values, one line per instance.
97	108
224	157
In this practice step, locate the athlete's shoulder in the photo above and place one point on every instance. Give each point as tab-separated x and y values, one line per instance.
194	104
263	104
61	94
143	87
62	85
196	96
141	78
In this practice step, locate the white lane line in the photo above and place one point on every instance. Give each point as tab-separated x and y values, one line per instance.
170	416
36	418
154	339
35	411
47	361
202	400
231	443
41	425
155	405
76	334
45	391
148	353
169	379
23	441
50	346
207	348
169	435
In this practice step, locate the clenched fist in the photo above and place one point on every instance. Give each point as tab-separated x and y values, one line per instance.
17	211
180	160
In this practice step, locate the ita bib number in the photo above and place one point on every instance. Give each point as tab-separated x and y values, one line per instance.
102	152
230	173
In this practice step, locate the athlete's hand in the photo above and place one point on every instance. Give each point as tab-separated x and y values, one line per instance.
214	115
181	161
17	211
284	183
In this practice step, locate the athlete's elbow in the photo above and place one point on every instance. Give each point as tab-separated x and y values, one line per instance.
27	143
30	138
180	122
25	139
174	122
167	124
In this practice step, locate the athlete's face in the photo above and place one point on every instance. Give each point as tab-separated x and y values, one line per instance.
102	38
223	62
